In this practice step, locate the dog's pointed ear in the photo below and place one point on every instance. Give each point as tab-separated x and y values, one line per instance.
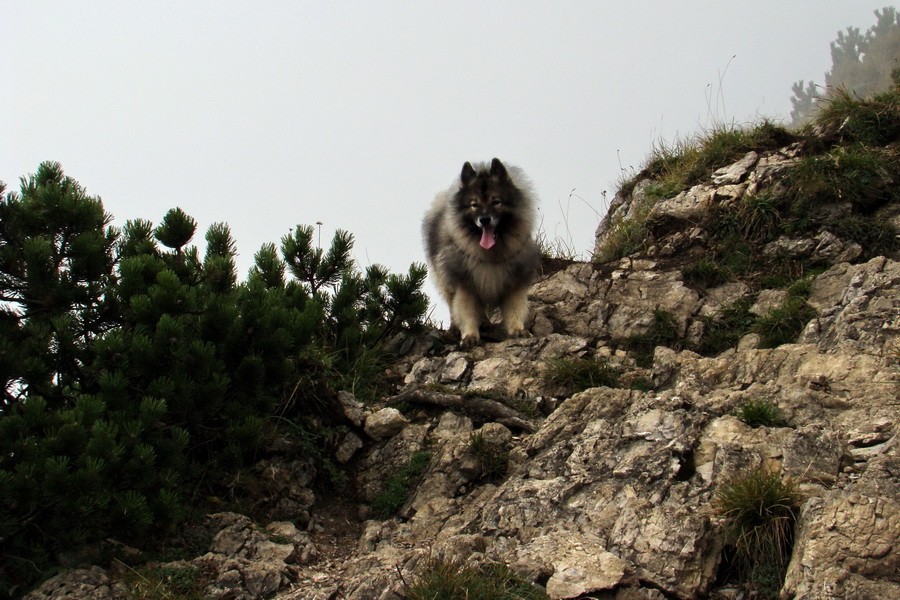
498	170
467	175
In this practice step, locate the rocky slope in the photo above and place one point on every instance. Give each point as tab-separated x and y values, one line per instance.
611	491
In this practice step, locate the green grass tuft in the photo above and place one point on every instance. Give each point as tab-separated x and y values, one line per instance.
398	486
493	456
877	236
802	287
726	328
166	582
760	413
786	273
679	165
663	331
446	580
758	217
625	236
675	167
782	325
863	175
705	274
578	374
873	121
758	510
849	156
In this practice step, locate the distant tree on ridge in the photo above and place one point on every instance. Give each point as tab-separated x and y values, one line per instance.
861	64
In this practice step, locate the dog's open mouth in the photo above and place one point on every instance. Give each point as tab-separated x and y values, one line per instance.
487	238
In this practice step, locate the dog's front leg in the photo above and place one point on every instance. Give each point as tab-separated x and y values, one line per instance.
515	311
467	312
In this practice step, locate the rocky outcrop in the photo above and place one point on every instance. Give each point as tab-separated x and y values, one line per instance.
614	492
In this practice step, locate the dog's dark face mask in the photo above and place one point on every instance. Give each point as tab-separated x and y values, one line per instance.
486	202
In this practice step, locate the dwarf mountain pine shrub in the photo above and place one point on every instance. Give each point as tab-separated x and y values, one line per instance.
132	367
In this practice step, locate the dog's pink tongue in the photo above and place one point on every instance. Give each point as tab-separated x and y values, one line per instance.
487	238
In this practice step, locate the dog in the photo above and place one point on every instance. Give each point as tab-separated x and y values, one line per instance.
480	248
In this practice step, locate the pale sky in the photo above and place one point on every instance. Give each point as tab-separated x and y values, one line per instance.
268	114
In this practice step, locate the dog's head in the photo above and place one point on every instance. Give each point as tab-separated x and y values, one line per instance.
487	202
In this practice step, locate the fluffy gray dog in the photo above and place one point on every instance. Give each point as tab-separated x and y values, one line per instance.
478	239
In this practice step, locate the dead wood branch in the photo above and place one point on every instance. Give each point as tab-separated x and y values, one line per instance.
483	407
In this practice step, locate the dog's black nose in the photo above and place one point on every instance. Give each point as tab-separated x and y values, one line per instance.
484	221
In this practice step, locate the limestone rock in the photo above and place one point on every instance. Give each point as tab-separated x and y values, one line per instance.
787	247
832	249
767	301
860	307
690	205
736	172
348	447
286	487
381	461
353	409
848	544
305	550
249	564
385	423
579	564
611	492
622	208
80	584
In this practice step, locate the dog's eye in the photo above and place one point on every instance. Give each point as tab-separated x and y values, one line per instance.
473	205
495	203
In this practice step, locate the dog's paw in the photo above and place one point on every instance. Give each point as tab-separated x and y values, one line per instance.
519	334
469	341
